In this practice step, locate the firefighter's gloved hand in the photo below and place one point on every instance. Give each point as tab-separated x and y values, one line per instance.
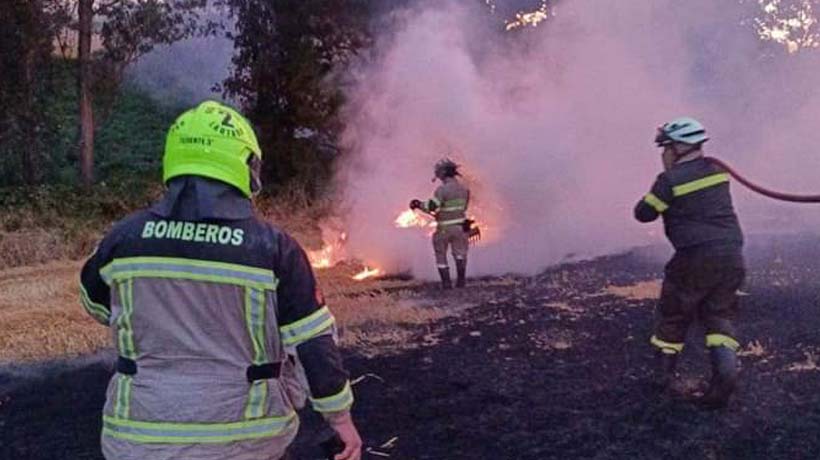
415	204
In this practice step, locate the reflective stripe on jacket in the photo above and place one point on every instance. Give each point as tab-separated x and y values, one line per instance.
449	203
696	205
201	314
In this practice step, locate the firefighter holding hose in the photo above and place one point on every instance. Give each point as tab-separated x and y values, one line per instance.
702	278
209	308
453	229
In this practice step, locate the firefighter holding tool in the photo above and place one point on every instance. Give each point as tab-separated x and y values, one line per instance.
454	231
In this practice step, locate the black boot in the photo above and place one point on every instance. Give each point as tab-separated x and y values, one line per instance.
444	273
724	378
461	270
667	365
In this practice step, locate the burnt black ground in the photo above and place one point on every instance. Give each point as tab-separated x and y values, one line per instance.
482	388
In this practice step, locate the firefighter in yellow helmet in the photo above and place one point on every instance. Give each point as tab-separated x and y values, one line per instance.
211	309
692	195
449	206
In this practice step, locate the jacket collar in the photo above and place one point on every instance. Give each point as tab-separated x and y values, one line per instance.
195	198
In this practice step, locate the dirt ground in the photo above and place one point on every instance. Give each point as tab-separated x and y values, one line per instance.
551	366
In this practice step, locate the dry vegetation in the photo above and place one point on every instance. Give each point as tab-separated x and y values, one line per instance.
644	290
41	317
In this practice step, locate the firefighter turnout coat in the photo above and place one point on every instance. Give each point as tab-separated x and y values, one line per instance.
203	301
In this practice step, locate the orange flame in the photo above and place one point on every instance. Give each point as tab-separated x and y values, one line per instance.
330	253
410	218
367	273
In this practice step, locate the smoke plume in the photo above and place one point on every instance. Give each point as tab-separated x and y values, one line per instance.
553	125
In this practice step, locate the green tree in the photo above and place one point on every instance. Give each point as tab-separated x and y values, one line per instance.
128	30
286	76
27	30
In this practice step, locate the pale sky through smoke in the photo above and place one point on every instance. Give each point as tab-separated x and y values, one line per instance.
556	125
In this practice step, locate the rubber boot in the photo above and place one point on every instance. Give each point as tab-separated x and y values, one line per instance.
461	270
724	378
444	273
667	365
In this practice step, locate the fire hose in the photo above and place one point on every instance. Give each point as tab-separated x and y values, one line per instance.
790	197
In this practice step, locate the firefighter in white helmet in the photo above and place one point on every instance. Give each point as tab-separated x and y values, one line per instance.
692	195
210	309
449	206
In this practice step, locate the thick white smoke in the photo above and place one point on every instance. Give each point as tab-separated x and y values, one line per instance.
555	125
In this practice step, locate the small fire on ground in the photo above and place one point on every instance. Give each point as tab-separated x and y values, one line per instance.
367	273
333	252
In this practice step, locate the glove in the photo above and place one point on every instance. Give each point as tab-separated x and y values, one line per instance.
415	204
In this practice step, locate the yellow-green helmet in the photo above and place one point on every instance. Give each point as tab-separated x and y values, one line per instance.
214	141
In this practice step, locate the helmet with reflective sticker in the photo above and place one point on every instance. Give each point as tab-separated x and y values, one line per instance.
215	141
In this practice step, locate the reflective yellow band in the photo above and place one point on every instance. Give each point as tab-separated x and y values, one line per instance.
336	403
122	400
255	306
255	321
447	223
655	202
193	433
457	204
98	311
700	184
666	347
191	269
307	328
257	397
125	330
720	340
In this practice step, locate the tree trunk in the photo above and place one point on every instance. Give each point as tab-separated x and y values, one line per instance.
29	147
86	18
28	150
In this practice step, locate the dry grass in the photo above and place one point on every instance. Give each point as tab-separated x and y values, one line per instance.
31	246
41	318
644	290
754	348
40	314
810	364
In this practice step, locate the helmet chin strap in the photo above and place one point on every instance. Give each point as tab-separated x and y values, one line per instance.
255	172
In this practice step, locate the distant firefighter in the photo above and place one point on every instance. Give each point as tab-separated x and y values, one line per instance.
702	279
219	325
453	229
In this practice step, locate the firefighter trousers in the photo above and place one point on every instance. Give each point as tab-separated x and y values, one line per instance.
451	236
700	285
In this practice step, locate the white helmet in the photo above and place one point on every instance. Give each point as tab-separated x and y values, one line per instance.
685	130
